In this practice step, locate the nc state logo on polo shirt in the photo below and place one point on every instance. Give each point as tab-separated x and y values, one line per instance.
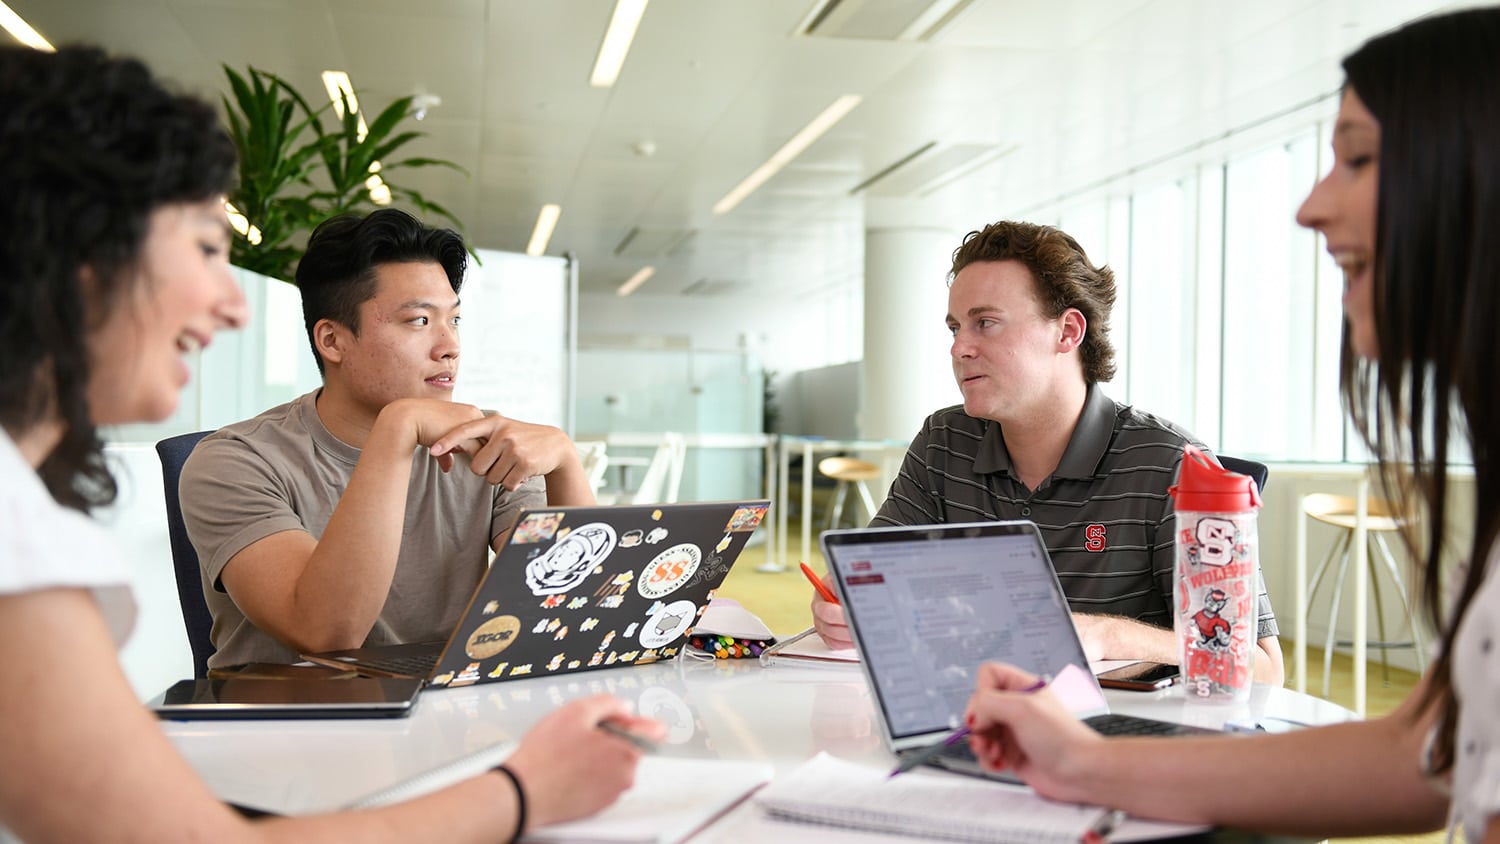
1093	538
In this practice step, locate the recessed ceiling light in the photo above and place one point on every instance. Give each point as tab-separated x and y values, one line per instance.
616	43
640	278
22	31
790	150
546	221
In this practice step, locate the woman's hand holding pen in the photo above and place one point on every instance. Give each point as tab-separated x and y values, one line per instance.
828	615
1013	725
570	768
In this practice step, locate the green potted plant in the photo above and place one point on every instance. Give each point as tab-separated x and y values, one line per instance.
295	172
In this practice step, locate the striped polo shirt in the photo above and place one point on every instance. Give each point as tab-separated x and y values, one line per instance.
1104	514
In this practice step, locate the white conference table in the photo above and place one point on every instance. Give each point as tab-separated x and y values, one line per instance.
781	714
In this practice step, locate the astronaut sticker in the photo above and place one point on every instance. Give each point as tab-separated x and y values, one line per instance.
667	623
573	558
536	527
669	570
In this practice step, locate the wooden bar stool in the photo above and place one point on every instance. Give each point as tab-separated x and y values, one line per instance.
849	471
1381	518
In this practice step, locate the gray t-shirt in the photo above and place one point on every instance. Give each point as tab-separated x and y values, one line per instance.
283	471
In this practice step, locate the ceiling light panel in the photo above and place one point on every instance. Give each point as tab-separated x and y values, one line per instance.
616	43
22	31
805	138
541	235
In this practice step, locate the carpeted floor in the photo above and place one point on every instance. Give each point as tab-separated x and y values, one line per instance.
781	600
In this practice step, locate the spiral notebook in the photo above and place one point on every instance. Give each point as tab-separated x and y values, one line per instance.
829	791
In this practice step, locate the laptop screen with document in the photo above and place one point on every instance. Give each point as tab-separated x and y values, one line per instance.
927	605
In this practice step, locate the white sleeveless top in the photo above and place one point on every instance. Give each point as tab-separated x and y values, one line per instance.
45	546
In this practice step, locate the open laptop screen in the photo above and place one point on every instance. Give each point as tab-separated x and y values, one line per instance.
929	604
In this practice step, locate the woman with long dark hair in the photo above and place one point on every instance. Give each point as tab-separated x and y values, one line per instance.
114	267
1411	213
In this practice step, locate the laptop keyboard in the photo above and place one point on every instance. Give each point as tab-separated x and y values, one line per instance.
415	665
1115	724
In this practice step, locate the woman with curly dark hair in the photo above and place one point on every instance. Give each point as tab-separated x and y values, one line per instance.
114	268
1411	213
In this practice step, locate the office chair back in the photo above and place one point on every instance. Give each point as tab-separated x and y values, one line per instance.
173	452
1258	471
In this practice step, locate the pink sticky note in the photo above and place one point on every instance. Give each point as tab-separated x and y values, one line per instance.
1077	690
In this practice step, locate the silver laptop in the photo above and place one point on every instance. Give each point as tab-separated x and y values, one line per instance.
928	604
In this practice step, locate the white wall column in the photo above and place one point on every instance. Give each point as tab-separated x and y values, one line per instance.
906	373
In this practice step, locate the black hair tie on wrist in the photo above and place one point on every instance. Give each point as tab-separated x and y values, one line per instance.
520	801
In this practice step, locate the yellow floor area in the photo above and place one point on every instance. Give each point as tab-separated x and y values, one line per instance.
782	599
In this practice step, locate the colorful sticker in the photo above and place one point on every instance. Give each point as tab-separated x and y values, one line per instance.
631	539
573	558
596	659
491	607
468	677
669	570
723	543
536	527
612	602
608	637
573	663
630	631
747	518
521	670
562	634
668	623
499	670
588	624
577	602
556	662
443	679
492	637
656	535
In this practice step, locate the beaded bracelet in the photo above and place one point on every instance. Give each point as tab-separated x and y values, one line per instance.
520	801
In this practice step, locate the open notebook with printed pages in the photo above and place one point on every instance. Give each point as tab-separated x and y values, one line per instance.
847	801
809	646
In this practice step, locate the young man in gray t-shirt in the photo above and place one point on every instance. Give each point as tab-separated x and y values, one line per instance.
363	513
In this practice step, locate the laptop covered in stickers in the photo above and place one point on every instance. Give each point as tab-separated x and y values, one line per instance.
579	588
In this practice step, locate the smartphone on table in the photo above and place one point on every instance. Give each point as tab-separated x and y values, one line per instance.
1140	676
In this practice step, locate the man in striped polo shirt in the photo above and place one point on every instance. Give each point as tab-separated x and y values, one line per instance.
1036	438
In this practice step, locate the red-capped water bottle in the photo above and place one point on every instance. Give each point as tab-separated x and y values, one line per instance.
1218	567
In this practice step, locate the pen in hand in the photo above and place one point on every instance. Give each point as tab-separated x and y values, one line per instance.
643	744
927	754
819	585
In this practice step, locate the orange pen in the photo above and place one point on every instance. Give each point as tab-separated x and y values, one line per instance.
819	585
